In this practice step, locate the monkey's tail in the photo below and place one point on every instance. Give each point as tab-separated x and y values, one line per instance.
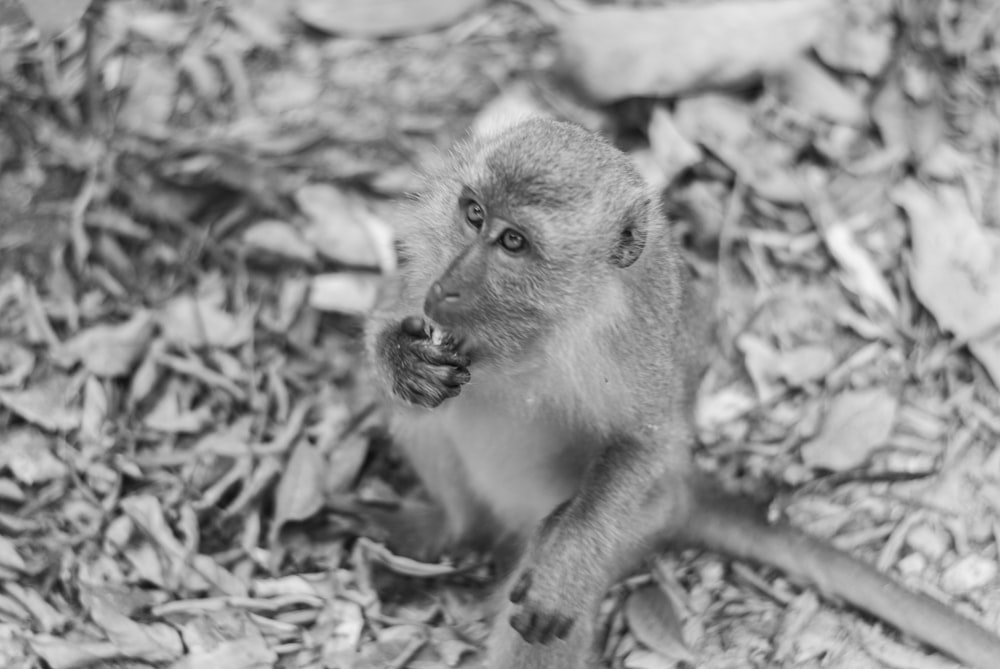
731	527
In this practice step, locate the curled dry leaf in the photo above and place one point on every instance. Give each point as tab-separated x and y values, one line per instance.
514	104
44	404
52	17
198	321
861	273
16	363
300	492
807	87
381	18
348	293
651	617
155	642
278	239
94	415
856	423
231	654
616	52
860	39
672	151
27	454
954	270
968	574
110	350
341	226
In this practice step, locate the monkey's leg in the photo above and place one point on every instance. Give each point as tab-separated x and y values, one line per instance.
428	446
731	526
630	498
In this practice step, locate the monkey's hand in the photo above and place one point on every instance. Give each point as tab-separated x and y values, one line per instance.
555	585
422	372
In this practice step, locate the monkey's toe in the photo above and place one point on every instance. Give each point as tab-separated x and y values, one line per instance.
541	627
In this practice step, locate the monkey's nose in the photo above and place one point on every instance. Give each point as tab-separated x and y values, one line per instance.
441	293
441	303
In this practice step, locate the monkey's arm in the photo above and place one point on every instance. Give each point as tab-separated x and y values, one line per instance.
631	498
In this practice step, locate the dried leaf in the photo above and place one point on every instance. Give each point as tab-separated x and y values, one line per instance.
95	411
54	16
348	293
338	228
10	558
110	350
672	151
199	321
652	619
856	423
44	405
300	491
27	454
805	364
272	238
16	363
807	87
381	18
955	267
616	52
155	642
862	275
150	100
968	574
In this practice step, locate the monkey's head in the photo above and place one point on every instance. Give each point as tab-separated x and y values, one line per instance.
531	228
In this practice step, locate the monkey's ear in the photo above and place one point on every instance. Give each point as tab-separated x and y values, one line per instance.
631	235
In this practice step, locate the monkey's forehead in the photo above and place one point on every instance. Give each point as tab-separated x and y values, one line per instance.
547	159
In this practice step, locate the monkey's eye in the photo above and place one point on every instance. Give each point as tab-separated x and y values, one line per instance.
513	241
474	214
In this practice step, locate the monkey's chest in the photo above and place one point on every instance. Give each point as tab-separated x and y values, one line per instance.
520	464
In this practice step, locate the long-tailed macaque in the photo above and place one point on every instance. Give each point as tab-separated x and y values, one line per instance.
541	346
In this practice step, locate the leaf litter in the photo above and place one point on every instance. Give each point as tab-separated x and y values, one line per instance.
198	212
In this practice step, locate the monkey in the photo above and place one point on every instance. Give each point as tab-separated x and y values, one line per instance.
539	350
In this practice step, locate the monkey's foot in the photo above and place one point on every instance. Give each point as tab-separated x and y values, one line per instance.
535	619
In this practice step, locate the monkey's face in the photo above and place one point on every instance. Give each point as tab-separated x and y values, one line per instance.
496	291
528	236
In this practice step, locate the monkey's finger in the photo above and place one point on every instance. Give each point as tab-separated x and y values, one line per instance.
520	589
457	377
563	627
523	623
415	326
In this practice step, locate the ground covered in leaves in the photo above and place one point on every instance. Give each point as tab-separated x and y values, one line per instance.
196	207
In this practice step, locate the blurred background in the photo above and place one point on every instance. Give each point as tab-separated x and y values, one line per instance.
197	204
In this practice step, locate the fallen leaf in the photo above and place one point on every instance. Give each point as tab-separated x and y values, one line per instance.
652	619
272	238
349	293
861	274
52	17
672	151
198	321
857	422
807	87
27	454
616	52
860	39
955	268
381	18
968	574
338	228
16	363
149	103
300	491
110	350
153	642
805	364
44	404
